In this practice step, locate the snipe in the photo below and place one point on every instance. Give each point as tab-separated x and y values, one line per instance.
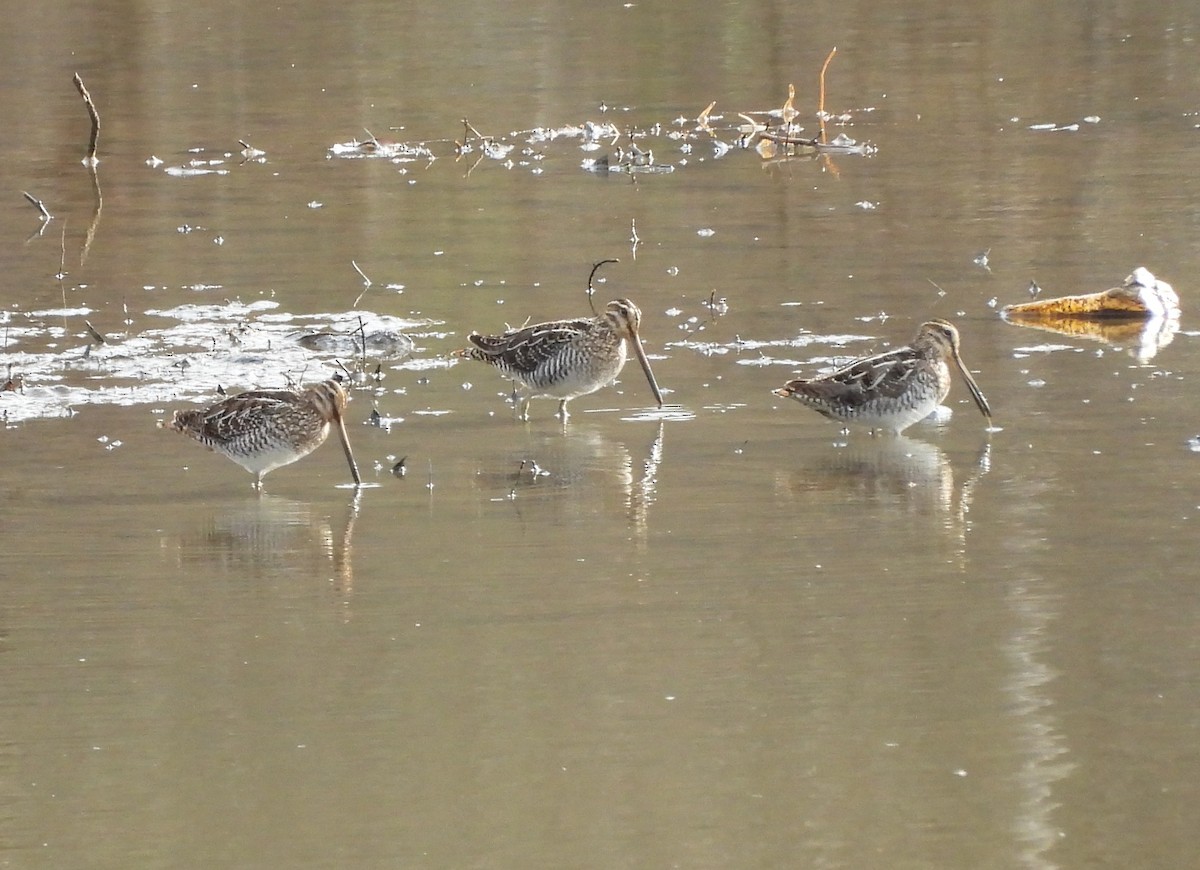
890	390
566	359
265	429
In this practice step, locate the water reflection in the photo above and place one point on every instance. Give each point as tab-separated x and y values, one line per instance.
643	494
1040	741
892	473
584	469
268	536
1141	339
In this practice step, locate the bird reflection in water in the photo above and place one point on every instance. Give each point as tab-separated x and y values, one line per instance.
577	468
270	536
893	474
643	494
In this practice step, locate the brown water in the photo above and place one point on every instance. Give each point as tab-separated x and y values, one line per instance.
730	638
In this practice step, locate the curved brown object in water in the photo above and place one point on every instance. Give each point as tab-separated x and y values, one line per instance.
1141	296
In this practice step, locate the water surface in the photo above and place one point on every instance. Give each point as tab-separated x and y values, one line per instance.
735	637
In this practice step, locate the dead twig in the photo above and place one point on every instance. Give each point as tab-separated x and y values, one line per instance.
62	262
590	289
470	129
821	95
94	333
366	284
90	160
794	141
38	204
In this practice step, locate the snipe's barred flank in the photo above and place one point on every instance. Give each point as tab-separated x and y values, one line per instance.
890	390
565	359
264	429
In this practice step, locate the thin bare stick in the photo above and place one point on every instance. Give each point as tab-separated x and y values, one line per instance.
62	261
821	98
38	204
366	280
90	160
789	140
366	284
93	332
591	290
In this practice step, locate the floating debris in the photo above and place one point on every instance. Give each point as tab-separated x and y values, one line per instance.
773	133
249	152
193	171
400	152
1142	314
380	344
1141	296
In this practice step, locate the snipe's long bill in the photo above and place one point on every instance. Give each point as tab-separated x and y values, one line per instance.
265	429
891	390
566	359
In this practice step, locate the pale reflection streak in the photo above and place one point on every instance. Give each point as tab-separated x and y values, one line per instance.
272	535
643	495
571	463
571	460
895	471
1040	743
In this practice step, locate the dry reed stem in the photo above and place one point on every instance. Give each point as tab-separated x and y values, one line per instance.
821	96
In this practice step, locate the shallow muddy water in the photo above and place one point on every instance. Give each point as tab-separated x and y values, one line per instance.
728	635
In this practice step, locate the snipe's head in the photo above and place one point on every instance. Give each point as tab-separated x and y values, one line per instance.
625	320
329	399
940	338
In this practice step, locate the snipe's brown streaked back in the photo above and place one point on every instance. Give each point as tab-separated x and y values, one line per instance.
566	359
264	429
890	390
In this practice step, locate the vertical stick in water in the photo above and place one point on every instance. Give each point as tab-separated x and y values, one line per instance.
91	107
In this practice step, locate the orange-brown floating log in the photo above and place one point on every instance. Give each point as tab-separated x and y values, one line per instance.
1141	296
